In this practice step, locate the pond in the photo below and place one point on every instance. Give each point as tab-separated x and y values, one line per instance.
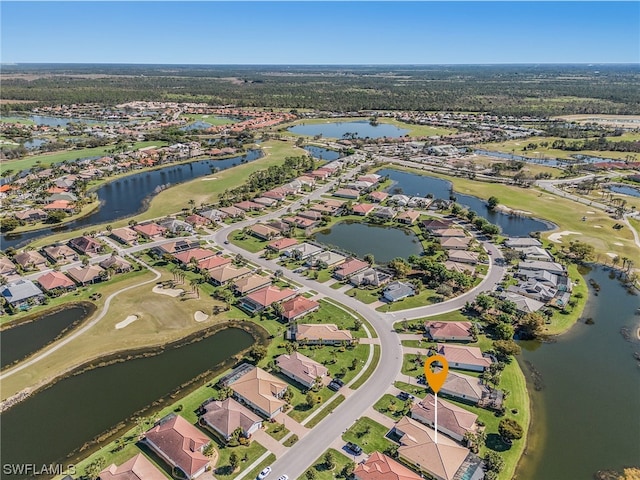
63	122
624	189
422	185
320	153
35	143
549	162
384	243
24	339
46	427
585	418
360	129
129	195
198	125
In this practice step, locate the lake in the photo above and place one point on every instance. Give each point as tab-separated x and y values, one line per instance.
384	243
586	417
361	129
624	189
549	162
421	185
198	125
26	338
128	195
46	427
320	153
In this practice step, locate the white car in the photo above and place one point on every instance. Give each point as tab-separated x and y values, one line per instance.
284	477
264	473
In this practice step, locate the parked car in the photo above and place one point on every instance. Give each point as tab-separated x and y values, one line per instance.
284	477
336	384
403	396
264	473
353	448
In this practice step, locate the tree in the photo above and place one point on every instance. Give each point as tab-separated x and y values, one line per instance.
354	364
369	258
311	399
310	474
494	461
492	202
278	309
504	348
348	469
209	450
258	352
484	301
95	467
504	331
400	266
234	461
532	324
581	251
56	216
329	460
509	430
8	224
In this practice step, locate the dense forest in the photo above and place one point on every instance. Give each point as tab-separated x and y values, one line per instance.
513	89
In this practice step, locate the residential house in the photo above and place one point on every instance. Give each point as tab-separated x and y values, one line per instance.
227	273
232	212
349	193
452	420
151	230
350	267
408	217
362	209
86	245
306	180
523	304
61	254
259	300
277	194
465	358
116	263
302	251
449	331
214	262
400	200
60	205
31	215
561	282
176	226
194	255
471	389
138	467
260	391
301	368
225	417
515	242
535	253
445	460
249	206
319	334
21	293
463	256
7	268
419	202
310	215
459	267
298	307
125	235
282	244
551	267
386	213
53	280
397	291
213	215
370	276
378	197
180	444
532	289
267	202
455	243
381	467
372	178
436	224
250	284
176	246
448	232
197	220
264	232
30	260
327	257
86	274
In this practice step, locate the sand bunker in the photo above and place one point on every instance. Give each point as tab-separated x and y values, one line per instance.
207	179
200	316
597	226
620	244
590	212
557	237
127	321
172	292
612	255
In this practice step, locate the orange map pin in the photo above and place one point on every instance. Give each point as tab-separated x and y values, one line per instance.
436	379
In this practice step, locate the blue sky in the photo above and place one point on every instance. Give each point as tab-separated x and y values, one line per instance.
320	32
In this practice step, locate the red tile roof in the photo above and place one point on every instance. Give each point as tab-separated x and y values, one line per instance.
54	279
136	468
213	262
266	296
197	253
381	467
298	306
282	243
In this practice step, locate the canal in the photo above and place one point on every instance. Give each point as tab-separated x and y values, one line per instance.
129	195
586	416
51	424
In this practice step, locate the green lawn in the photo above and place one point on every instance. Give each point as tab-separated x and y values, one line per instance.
321	470
413	389
364	294
330	313
210	119
265	463
392	407
251	453
300	409
343	360
337	285
563	321
425	297
370	369
246	241
328	408
353	312
276	430
369	435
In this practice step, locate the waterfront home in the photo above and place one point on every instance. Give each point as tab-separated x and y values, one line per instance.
452	420
116	263
263	298
213	214
53	280
378	197
349	193
455	243
420	202
310	215
408	217
180	444
302	251
381	467
535	253
86	245
31	215
372	178
232	212
225	417
523	304
535	290
436	224
195	255
397	291
386	213
515	242
362	209
151	230
445	460
30	260
319	334
21	293
400	200
214	262
7	268
459	267
560	282
350	267
227	273
249	206
465	358
138	467
370	276
61	254
465	387
260	391
449	331
305	223
301	368
448	232
298	307
264	232
551	267
60	206
125	235
68	196
86	274
197	220
327	257
282	244
463	256
250	284
176	226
